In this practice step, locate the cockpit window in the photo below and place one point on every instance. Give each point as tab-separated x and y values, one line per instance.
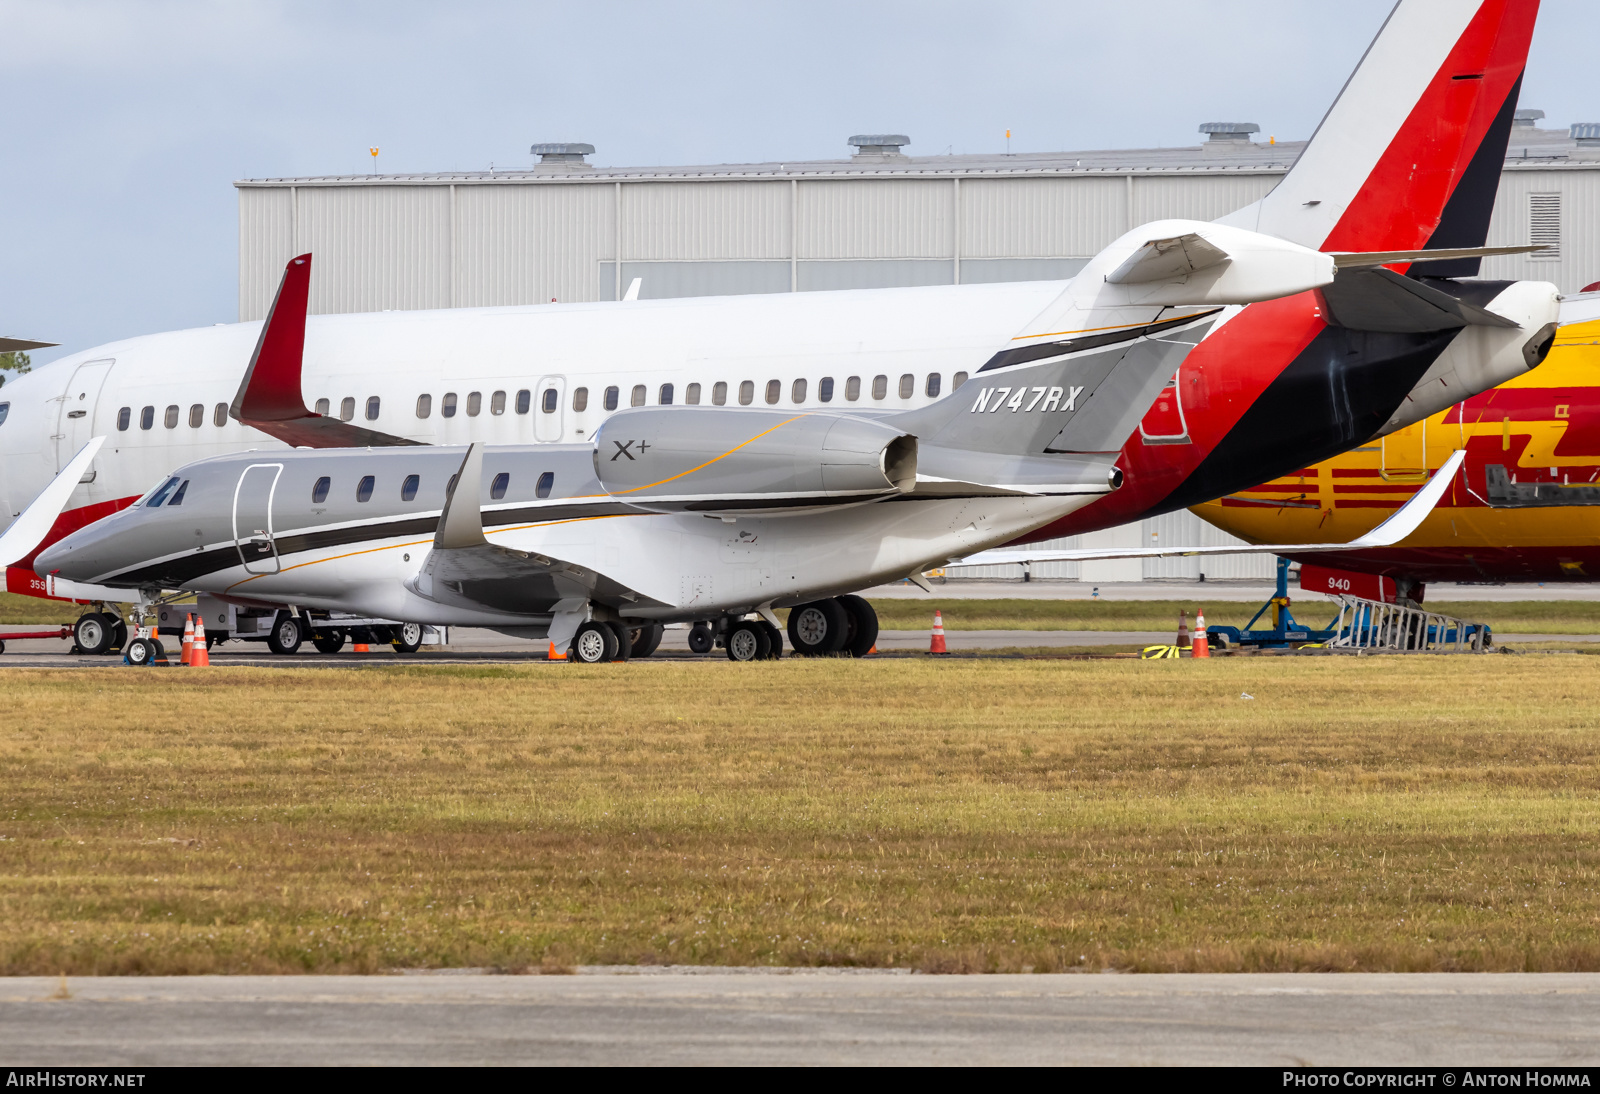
161	492
177	497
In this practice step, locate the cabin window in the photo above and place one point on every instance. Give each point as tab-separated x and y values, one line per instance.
957	380
691	395
880	387
550	400
321	407
447	407
908	386
497	489
373	404
497	403
170	419
797	393
147	417
197	416
932	387
546	482
364	488
637	398
611	398
474	403
177	498
825	389
774	391
664	396
424	405
347	408
161	493
580	400
5	412
319	492
719	394
852	388
747	393
524	401
408	489
124	417
219	415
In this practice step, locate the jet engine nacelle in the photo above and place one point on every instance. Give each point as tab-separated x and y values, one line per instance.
710	459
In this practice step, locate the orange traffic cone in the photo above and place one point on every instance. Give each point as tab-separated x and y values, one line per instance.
1202	644
1183	629
199	656
937	645
555	654
188	640
361	647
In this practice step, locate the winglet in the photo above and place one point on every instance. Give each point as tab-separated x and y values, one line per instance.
1412	513
270	397
461	523
29	530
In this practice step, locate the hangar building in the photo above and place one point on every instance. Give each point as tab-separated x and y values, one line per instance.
566	230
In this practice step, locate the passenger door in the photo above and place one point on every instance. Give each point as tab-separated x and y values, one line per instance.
549	408
75	425
252	518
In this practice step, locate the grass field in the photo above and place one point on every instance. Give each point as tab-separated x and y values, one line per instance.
1399	813
15	608
1525	616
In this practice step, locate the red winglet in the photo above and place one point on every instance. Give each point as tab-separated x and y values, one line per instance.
270	397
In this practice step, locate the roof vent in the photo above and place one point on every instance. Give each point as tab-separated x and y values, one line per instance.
1587	134
562	154
879	145
1526	119
1229	131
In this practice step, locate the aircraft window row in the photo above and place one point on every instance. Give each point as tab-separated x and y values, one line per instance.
165	489
368	483
550	398
170	417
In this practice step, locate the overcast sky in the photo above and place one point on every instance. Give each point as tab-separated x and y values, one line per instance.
125	123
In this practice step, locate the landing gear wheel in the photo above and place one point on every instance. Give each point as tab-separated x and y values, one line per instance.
328	641
407	638
161	651
863	633
624	641
285	635
774	641
119	633
818	628
748	641
593	644
2	645
701	640
646	641
140	652
93	633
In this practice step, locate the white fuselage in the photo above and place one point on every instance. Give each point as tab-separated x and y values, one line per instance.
415	364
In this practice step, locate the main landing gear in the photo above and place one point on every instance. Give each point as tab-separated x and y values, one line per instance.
845	626
597	642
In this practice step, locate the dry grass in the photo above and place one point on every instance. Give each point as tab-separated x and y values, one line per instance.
15	608
1400	813
1511	617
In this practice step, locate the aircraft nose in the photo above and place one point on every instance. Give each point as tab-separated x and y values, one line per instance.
78	557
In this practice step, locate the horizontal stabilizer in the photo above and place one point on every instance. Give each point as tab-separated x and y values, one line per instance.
270	397
1344	260
1168	260
28	531
1387	534
1378	299
15	345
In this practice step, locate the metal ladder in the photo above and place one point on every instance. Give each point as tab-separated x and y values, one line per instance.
1373	625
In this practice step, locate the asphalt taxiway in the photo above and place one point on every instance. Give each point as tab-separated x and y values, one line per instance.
710	1016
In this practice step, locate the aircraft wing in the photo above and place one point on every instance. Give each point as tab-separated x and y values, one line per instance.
466	570
270	397
29	529
1390	532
